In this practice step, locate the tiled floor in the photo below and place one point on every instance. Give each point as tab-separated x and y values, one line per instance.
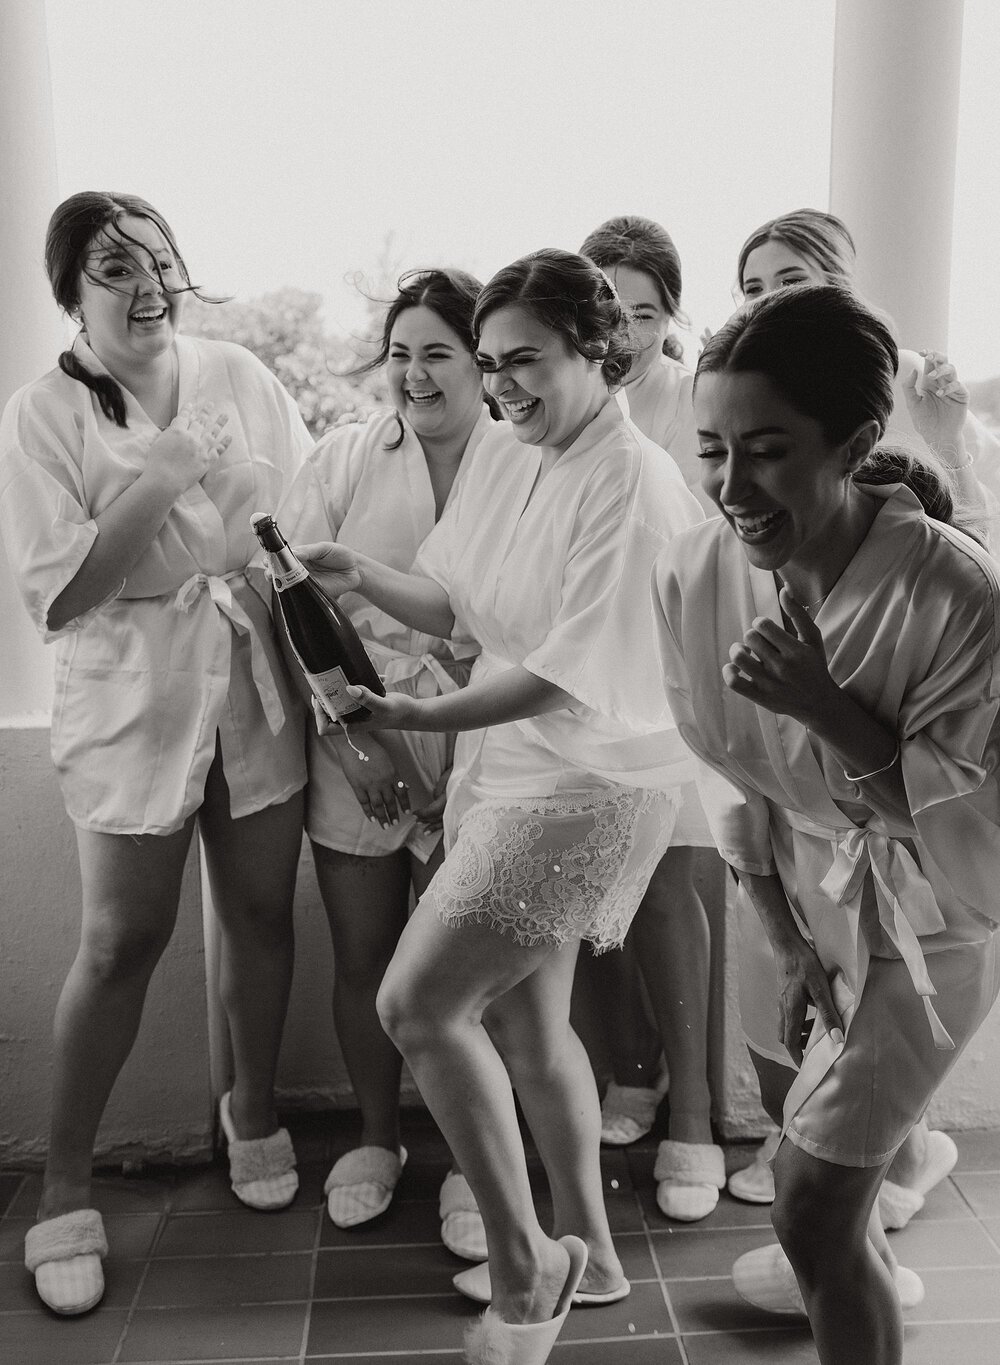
194	1277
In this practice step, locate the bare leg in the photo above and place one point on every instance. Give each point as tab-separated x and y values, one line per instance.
554	1082
432	1000
366	904
131	888
672	946
821	1214
252	864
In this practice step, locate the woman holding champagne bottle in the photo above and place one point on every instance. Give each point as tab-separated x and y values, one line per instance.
562	796
374	821
128	476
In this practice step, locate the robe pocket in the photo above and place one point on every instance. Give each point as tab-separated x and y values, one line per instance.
117	640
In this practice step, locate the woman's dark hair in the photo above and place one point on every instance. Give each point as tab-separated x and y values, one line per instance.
570	295
820	237
641	244
72	230
451	294
834	360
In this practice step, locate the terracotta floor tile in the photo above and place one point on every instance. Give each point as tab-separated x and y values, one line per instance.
41	1338
405	1221
943	1201
635	1255
793	1346
242	1231
982	1191
687	1253
226	1280
644	1314
417	1324
959	1295
9	1186
650	1351
965	1242
965	1343
205	1333
978	1149
367	1272
728	1213
111	1194
12	1232
708	1305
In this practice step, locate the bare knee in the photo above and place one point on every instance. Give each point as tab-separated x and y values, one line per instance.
118	953
407	1012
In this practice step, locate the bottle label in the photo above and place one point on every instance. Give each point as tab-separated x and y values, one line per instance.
331	689
283	579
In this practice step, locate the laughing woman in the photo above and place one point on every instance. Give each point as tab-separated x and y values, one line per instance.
379	487
830	650
127	479
559	810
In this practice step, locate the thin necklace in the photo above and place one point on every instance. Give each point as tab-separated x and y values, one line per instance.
806	606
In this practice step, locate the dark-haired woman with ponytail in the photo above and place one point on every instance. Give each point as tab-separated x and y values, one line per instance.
127	479
375	822
564	785
830	651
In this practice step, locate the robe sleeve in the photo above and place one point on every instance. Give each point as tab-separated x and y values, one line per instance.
45	524
738	816
600	647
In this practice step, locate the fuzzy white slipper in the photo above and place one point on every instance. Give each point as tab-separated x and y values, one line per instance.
261	1170
462	1228
689	1176
64	1255
360	1185
765	1278
627	1113
475	1284
754	1184
491	1341
898	1203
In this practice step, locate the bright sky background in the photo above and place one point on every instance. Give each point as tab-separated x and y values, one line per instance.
286	139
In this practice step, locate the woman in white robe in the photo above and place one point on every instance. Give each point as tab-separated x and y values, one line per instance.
669	944
558	811
929	414
379	488
830	652
127	480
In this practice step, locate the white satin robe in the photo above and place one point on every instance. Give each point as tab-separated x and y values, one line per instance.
356	491
904	900
554	824
184	650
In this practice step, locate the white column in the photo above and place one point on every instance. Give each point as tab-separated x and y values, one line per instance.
892	164
31	336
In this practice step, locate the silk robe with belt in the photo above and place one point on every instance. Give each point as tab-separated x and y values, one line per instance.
912	631
546	565
357	491
183	649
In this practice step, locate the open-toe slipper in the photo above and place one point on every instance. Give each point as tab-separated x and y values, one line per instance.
689	1176
628	1112
754	1184
64	1254
491	1341
361	1184
261	1170
474	1283
462	1229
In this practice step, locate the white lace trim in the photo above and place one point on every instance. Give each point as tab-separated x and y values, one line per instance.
553	869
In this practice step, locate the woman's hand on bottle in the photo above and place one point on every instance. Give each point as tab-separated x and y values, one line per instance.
938	404
381	792
188	448
802	981
336	567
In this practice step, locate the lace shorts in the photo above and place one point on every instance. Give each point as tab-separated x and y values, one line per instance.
551	869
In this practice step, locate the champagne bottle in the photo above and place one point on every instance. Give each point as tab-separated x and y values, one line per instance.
327	646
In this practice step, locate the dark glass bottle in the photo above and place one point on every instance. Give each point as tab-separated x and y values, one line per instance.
327	646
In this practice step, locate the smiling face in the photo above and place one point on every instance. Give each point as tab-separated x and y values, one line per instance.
131	314
641	298
547	390
774	265
433	380
782	486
